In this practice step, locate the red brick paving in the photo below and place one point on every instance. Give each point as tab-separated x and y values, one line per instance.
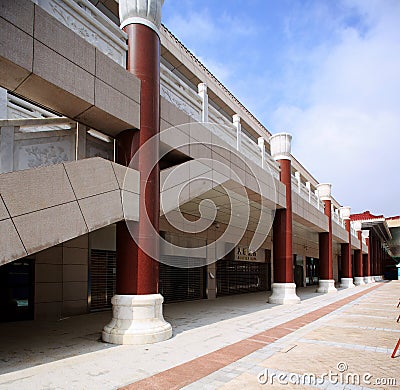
193	370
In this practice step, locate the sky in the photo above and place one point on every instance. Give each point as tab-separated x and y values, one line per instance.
326	71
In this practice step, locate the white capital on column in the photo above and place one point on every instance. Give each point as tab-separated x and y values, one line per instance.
345	212
324	191
147	12
281	146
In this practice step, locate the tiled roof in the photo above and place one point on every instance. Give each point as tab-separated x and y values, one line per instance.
365	216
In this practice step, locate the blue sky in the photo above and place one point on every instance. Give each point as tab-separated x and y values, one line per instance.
326	71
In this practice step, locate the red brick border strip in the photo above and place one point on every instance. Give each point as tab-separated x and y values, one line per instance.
193	370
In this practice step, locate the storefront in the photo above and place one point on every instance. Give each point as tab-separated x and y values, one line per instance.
17	290
312	271
182	283
243	271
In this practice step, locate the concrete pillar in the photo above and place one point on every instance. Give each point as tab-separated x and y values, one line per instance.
372	257
297	175
202	92
261	145
212	281
81	131
238	127
308	186
375	257
3	104
137	307
367	259
283	288
7	135
347	272
326	282
358	269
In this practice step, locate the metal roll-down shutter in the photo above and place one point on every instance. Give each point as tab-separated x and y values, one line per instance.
181	284
236	277
102	278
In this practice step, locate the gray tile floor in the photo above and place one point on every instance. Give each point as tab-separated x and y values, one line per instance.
68	354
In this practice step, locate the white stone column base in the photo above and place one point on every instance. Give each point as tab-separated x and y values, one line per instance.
284	294
326	286
368	279
359	280
376	278
346	283
137	319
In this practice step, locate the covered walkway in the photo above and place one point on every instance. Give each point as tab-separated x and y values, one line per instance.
68	353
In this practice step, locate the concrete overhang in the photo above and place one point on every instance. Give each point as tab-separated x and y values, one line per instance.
43	207
307	215
380	227
47	63
393	245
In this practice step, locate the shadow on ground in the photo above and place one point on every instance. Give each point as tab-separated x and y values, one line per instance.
30	343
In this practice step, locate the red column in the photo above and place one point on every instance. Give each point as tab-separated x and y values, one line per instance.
380	257
325	246
375	257
346	254
137	273
372	253
282	231
367	259
358	271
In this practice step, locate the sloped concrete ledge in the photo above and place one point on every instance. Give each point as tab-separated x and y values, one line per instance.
81	196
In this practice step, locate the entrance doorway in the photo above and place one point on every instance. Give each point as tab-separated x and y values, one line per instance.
238	277
102	279
312	271
17	290
186	283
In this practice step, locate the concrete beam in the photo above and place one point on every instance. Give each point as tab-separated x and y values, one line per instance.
44	61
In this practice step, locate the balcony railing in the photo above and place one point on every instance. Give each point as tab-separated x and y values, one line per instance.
251	150
336	218
177	92
91	24
214	116
82	17
32	137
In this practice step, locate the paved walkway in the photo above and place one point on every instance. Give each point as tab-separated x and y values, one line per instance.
227	343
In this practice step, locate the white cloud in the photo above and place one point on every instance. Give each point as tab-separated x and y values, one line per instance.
200	27
330	77
349	133
219	69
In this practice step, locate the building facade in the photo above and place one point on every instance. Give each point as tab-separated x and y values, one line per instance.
129	176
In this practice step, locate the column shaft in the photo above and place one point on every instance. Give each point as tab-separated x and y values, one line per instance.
358	270
325	246
282	231
367	260
346	254
138	272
